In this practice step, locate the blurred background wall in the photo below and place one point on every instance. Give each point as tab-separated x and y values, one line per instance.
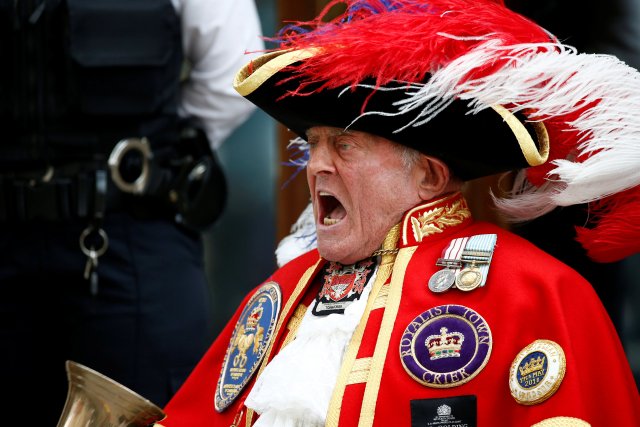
240	245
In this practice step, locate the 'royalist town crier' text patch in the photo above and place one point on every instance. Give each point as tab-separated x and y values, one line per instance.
446	346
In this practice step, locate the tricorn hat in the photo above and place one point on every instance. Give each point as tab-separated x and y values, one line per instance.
480	87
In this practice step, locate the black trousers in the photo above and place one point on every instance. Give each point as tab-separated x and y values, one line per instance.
146	327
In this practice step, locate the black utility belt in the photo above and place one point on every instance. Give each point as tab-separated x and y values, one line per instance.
185	183
66	198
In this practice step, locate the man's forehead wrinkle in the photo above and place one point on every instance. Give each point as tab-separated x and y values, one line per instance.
315	131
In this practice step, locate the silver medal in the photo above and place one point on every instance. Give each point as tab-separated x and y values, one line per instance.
442	280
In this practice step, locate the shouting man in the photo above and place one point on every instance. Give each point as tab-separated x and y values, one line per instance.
409	312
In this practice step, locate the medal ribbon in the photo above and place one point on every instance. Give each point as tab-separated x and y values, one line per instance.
452	253
480	248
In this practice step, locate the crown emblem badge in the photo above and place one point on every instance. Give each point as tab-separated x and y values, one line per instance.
537	372
251	336
444	345
254	317
533	366
444	410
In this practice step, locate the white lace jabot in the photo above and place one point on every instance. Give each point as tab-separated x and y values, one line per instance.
295	388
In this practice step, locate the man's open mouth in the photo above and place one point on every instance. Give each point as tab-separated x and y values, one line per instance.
330	209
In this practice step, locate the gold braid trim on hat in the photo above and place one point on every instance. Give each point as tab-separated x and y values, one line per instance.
533	155
258	71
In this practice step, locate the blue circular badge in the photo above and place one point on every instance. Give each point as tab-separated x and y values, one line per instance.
532	369
446	346
537	372
248	343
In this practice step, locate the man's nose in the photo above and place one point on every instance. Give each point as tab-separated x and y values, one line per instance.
320	159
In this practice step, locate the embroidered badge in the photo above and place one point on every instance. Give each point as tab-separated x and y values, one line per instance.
342	285
437	219
248	343
536	372
446	346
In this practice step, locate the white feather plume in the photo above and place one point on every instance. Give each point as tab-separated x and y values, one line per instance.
553	80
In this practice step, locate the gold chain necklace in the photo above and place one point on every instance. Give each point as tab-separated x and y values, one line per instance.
385	252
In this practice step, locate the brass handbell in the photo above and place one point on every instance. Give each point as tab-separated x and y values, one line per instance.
96	400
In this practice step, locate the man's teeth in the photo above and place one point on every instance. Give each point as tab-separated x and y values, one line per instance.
330	221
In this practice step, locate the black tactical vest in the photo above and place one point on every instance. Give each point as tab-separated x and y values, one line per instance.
76	76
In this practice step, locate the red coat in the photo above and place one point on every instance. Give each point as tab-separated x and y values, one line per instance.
528	297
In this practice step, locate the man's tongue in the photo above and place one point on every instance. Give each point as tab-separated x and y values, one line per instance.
336	214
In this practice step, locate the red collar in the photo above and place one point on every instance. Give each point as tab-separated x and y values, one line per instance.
437	217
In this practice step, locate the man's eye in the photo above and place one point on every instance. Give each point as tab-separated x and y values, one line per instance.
344	143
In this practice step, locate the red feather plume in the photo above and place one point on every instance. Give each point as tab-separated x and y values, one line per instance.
613	239
402	40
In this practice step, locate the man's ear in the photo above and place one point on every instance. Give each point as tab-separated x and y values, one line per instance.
433	177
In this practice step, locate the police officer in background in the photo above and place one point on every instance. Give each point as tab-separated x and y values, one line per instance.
109	111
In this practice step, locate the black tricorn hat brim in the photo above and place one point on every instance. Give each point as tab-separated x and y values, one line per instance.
473	145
